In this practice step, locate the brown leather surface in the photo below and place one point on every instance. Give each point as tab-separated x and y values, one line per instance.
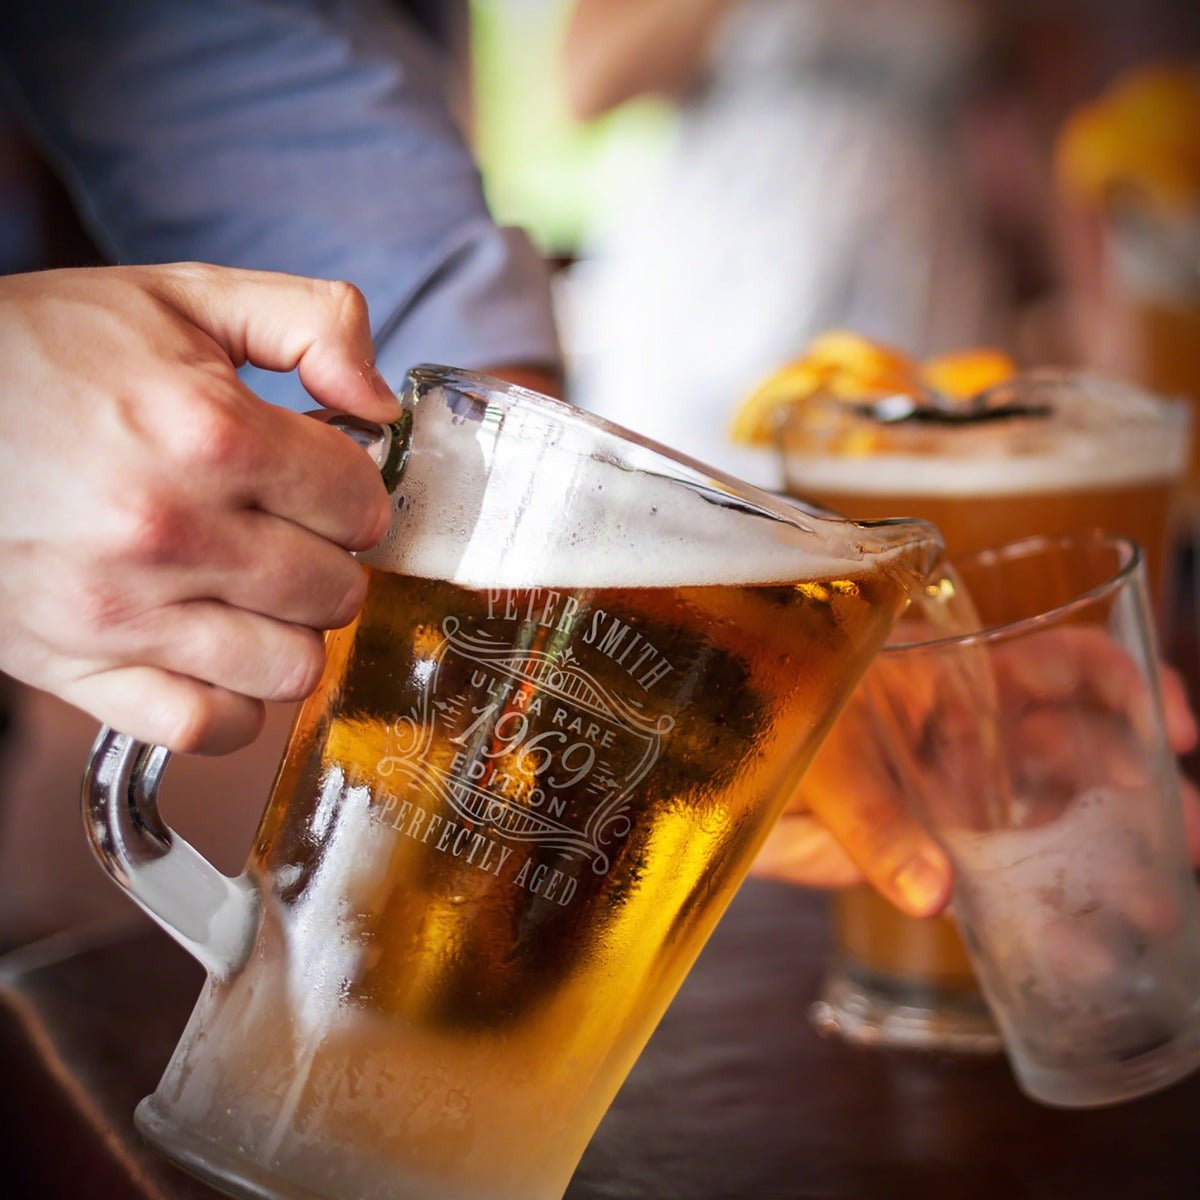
735	1098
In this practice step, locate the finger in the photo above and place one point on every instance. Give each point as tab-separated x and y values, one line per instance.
907	687
800	850
227	446
1177	712
279	570
248	559
1054	665
286	322
228	648
320	479
1190	800
1134	890
858	804
1068	949
168	710
1057	754
1074	664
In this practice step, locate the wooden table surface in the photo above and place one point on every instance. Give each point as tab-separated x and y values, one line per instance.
735	1097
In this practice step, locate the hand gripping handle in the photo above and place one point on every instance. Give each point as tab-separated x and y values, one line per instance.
213	917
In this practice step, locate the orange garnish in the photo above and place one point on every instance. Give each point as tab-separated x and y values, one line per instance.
757	419
847	366
840	364
966	373
1142	135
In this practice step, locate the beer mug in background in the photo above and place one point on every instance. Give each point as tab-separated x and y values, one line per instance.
1154	265
586	677
1049	453
1128	170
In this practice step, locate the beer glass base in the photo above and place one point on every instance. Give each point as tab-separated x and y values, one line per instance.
872	1010
208	1162
1116	1081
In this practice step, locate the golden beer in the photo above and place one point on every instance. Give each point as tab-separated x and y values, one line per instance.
1098	455
585	680
534	787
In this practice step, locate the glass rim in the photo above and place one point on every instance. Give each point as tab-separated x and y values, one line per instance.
1129	558
487	386
1172	410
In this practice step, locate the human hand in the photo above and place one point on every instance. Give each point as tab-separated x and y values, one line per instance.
847	823
170	544
1066	701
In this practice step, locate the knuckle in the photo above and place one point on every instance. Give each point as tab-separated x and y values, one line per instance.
206	647
103	605
190	274
352	600
148	530
348	304
207	435
305	662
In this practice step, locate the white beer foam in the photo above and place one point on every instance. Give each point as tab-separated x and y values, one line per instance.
1003	475
1100	433
531	508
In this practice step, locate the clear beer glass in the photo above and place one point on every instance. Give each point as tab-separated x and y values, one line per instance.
586	677
1076	452
1034	749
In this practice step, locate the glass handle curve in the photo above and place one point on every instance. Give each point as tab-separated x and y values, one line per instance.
387	446
213	917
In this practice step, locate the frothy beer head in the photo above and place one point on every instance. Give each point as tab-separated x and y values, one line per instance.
1094	433
565	501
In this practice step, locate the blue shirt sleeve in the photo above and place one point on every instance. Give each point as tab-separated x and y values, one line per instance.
309	136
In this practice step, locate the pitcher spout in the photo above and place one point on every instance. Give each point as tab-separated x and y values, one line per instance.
915	546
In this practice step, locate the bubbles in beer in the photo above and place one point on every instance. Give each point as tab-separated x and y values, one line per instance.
476	948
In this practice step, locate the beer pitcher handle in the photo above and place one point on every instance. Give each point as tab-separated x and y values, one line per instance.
210	915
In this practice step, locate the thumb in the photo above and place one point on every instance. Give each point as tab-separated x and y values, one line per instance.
849	789
285	322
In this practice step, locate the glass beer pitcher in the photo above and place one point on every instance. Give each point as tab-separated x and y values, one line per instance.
587	676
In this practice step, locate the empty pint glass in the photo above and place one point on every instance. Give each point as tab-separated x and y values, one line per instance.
586	677
1056	453
1034	749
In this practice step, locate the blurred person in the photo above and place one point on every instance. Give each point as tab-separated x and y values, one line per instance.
813	184
816	181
